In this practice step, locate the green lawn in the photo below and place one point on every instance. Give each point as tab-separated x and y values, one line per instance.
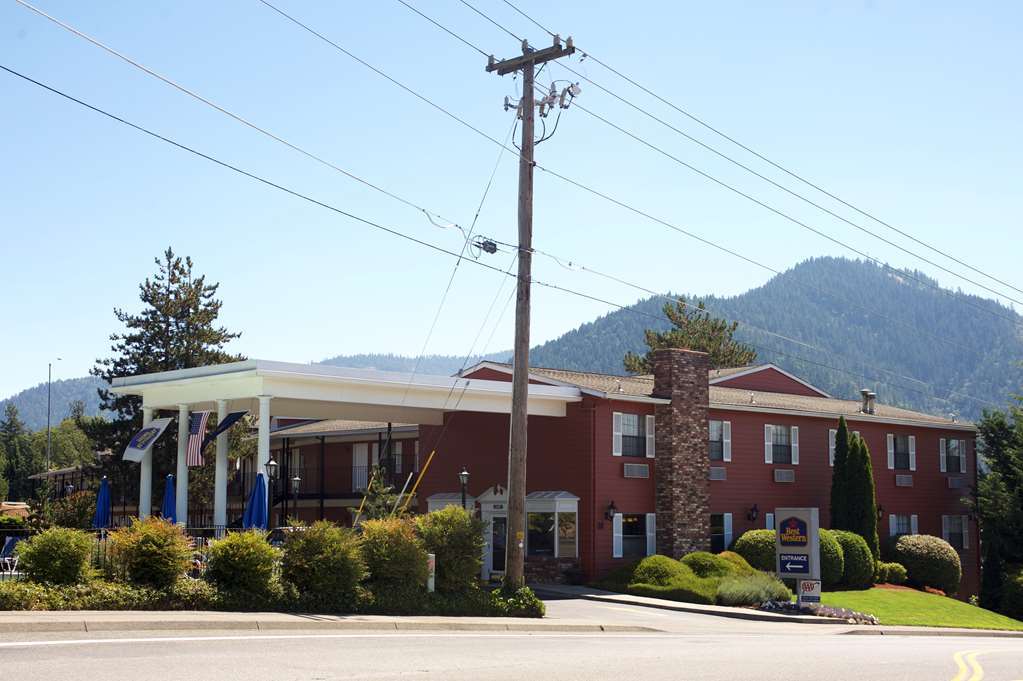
918	608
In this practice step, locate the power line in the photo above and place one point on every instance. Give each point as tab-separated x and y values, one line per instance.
491	20
778	166
376	225
445	29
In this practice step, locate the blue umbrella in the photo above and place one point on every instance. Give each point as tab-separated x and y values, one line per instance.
255	509
169	509
102	518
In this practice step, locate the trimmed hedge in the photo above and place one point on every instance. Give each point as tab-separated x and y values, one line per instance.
859	565
98	594
739	564
891	573
832	560
242	564
151	552
692	590
752	589
455	537
757	548
660	571
394	553
59	555
324	563
705	564
929	561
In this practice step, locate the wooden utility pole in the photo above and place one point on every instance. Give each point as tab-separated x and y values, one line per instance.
515	566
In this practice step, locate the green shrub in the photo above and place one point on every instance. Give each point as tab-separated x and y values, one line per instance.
891	573
393	553
75	510
705	564
752	590
242	564
660	571
24	595
521	602
189	594
859	562
99	594
58	555
12	522
455	537
1012	594
739	565
151	552
687	590
324	563
619	578
832	560
929	561
757	548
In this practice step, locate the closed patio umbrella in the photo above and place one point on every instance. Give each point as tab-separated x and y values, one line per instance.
101	519
255	508
169	509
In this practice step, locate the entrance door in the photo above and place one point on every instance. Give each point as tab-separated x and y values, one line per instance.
498	543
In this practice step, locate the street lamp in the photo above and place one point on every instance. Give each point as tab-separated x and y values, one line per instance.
463	478
49	380
271	475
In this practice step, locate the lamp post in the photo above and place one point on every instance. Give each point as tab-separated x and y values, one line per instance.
296	483
271	476
463	478
49	380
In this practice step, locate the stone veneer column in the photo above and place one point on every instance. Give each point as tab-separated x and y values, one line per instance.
682	463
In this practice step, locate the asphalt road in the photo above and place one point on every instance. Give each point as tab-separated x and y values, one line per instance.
690	647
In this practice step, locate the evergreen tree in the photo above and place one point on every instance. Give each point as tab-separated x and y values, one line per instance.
862	496
693	329
840	478
20	458
176	329
379	500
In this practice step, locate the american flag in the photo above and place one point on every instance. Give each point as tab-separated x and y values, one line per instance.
196	431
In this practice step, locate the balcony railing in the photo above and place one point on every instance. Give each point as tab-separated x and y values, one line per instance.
337	482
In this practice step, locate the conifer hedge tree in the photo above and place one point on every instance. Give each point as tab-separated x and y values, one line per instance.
840	479
861	507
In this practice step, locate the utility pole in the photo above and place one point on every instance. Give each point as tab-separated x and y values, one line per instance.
49	380
515	566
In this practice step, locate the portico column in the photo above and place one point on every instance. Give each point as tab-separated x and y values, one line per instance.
181	491
146	472
220	472
263	438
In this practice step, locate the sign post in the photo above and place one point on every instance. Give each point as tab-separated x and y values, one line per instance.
797	550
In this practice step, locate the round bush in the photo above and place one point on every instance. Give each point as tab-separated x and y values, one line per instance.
455	537
59	555
757	547
1012	594
660	571
324	562
832	560
242	563
705	564
929	561
739	564
151	552
891	573
859	561
518	603
394	553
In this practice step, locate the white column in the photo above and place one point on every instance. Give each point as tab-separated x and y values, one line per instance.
263	439
146	472
182	476
220	472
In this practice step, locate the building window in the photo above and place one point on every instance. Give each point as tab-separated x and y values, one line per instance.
781	445
566	535
633	438
901	452
954	455
717	441
955	531
717	532
633	535
540	534
901	525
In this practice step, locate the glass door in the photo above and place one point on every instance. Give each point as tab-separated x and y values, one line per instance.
498	542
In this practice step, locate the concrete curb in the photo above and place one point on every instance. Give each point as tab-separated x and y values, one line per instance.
933	631
97	624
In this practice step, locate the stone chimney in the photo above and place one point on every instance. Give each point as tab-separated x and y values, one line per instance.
682	462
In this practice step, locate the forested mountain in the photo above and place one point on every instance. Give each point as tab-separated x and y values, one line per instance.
872	327
840	324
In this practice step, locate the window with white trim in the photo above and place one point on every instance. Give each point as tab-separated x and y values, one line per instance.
901	525
634	535
781	445
954	456
901	452
633	435
769	521
954	530
716	440
832	437
720	531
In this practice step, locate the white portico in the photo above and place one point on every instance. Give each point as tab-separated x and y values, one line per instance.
309	391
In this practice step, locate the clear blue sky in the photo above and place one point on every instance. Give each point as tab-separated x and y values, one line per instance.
910	109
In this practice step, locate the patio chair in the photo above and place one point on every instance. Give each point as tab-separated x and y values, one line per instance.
9	559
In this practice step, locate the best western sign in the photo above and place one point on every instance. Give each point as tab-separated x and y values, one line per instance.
797	543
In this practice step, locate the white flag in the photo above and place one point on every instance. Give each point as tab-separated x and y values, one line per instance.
143	440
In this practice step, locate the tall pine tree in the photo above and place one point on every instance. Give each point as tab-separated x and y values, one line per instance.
176	329
693	329
18	455
862	495
840	478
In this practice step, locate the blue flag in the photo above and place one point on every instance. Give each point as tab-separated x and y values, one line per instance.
226	423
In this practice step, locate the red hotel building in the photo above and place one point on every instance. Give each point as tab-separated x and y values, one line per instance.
687	458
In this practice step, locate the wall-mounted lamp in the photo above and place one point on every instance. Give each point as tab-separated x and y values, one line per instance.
753	514
880	511
609	514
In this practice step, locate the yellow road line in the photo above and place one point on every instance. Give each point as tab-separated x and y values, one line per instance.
961	665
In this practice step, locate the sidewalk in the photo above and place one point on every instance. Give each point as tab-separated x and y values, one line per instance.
92	621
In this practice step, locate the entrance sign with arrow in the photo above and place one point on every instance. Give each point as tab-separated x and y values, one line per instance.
797	543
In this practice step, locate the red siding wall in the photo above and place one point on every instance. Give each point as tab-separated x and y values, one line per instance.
769	380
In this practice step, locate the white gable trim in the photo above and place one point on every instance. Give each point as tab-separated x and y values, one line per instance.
764	367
